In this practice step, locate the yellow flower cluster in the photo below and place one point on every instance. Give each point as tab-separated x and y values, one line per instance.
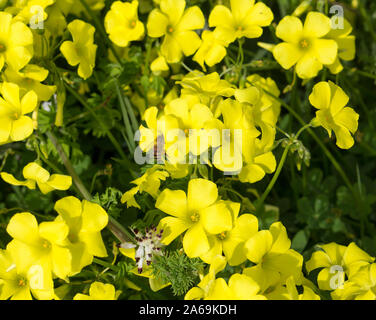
42	252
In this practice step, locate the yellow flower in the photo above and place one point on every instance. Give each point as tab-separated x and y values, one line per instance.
205	286
16	42
159	66
360	286
245	19
269	109
232	242
241	132
99	291
289	292
43	245
332	114
149	183
23	283
192	116
198	212
211	51
14	124
35	174
257	156
305	46
122	23
157	136
273	258
176	25
85	220
210	89
207	87
346	45
29	79
82	50
337	258
29	10
239	287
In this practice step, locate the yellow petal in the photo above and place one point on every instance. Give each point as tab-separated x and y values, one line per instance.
201	194
221	16
281	242
69	51
54	232
326	50
61	261
29	102
244	287
174	9
22	128
216	218
239	8
24	227
286	54
157	24
172	202
320	97
94	243
172	228
316	25
189	42
347	118
5	128
260	15
34	171
94	217
60	182
70	209
290	29
258	245
11	93
308	67
8	178
195	241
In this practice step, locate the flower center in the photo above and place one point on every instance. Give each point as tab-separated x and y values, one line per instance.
46	244
2	47
222	236
73	237
133	24
195	217
21	282
170	29
16	116
304	44
240	28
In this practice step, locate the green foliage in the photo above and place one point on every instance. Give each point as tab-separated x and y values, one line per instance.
179	270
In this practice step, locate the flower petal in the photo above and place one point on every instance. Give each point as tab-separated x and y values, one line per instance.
195	241
201	194
22	128
290	29
316	25
173	202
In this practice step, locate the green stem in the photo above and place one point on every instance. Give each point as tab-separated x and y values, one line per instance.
68	165
274	179
105	264
99	120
